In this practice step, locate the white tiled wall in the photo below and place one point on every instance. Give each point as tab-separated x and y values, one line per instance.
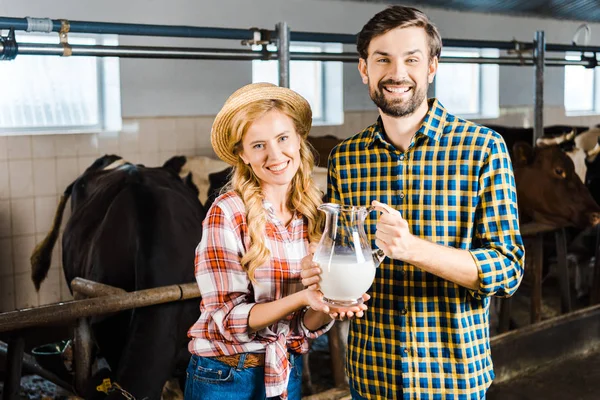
35	170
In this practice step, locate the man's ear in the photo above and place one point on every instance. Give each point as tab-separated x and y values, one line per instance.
433	67
362	69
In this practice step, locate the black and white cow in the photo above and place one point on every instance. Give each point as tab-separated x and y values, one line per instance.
134	228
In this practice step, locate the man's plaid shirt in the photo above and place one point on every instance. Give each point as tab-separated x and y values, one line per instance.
424	336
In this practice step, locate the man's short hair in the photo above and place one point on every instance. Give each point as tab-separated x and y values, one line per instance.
398	17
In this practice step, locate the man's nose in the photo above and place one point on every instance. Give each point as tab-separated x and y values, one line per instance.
398	71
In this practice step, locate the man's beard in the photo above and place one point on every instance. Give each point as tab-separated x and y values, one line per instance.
397	108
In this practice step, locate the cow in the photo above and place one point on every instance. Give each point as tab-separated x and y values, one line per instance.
134	228
512	135
196	170
549	191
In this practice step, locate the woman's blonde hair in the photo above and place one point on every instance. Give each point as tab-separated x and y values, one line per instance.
304	197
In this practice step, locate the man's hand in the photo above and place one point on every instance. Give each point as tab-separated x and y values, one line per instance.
392	233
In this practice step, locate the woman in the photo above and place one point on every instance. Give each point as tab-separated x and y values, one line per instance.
255	320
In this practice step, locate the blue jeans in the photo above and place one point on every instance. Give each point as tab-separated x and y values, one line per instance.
209	379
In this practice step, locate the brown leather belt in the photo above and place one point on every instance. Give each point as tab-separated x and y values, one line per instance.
252	360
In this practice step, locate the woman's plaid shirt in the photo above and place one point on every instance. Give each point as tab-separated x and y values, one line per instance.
423	336
228	295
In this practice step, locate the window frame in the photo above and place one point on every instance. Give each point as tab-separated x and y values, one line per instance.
488	83
108	112
332	106
595	109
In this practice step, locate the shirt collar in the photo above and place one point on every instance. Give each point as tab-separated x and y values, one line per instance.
432	125
268	206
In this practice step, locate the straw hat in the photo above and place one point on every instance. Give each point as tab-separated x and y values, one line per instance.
245	95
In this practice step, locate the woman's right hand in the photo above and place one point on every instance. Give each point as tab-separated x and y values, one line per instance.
310	270
314	299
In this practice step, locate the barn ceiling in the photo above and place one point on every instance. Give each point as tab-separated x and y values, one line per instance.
581	10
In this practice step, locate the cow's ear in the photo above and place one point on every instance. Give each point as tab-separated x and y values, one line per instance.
522	154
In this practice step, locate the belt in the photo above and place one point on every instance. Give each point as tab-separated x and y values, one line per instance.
252	360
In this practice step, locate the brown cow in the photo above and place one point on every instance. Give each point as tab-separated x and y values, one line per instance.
549	191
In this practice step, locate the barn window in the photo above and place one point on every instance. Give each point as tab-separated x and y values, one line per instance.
468	90
582	88
51	94
319	82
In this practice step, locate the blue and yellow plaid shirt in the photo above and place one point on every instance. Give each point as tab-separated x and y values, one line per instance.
424	337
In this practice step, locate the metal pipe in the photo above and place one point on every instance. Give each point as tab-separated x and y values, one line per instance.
570	47
61	312
283	53
31	365
539	56
82	353
237	54
140	52
93	289
22	24
351	39
14	367
113	28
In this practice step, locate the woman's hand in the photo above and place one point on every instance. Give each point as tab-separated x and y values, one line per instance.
358	311
310	270
314	299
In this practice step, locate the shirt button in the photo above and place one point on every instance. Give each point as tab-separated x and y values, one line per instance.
405	350
401	157
404	311
401	195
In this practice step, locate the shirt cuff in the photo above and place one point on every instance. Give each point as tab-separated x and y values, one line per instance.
312	334
241	314
484	260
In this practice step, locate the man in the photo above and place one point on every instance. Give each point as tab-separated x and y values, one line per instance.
448	224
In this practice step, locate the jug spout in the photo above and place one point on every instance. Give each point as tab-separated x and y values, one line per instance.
329	207
378	256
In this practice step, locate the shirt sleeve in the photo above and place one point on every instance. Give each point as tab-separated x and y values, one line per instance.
333	194
223	282
498	247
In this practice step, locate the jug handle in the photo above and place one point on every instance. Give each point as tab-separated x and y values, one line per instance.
378	256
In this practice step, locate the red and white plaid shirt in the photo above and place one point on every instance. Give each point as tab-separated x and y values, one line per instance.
228	294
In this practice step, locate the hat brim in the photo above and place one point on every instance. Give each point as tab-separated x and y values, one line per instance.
248	94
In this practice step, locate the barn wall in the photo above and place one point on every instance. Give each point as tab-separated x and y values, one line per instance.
168	105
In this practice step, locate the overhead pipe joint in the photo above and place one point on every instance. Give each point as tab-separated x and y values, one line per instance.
8	46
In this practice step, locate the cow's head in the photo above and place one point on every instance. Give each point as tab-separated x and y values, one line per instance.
549	191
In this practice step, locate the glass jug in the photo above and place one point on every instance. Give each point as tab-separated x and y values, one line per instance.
344	255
